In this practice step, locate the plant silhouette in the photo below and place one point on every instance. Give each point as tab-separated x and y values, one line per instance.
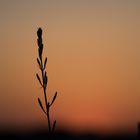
43	82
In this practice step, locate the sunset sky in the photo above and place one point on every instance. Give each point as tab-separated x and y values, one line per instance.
93	50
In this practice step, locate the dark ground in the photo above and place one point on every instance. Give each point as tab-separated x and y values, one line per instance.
63	136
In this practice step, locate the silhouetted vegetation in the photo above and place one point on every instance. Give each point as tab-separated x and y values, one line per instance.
43	82
139	130
63	135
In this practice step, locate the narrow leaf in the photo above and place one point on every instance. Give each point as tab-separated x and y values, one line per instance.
38	78
54	124
45	62
54	97
46	78
39	101
38	62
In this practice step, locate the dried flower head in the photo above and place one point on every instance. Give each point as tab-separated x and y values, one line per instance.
39	33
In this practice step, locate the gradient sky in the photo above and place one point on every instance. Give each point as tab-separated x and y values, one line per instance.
93	50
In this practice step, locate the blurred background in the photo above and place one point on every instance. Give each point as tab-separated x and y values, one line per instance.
93	51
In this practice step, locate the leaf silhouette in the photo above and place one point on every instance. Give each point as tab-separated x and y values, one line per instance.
45	76
45	62
39	101
54	124
38	78
38	62
54	97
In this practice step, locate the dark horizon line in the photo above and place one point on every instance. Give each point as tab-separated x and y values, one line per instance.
42	135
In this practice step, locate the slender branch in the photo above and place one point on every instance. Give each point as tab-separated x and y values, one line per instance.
44	81
45	97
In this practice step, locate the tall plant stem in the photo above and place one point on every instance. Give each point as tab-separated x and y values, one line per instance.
46	102
43	82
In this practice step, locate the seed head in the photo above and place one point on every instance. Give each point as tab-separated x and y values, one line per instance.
39	33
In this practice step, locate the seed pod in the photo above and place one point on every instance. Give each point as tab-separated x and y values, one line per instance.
39	42
40	50
39	33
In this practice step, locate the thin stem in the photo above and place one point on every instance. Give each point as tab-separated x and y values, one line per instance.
42	66
48	115
45	97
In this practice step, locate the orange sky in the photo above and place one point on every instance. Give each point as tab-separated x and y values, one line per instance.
93	51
